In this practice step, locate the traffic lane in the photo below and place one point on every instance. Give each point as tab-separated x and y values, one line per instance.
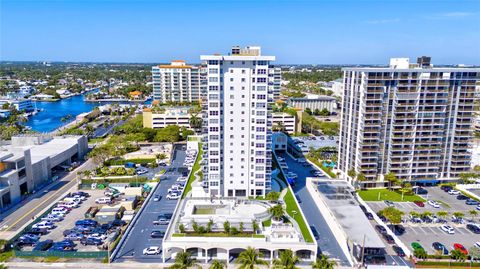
22	214
327	242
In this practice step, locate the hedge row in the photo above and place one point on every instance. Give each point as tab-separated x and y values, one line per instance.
448	264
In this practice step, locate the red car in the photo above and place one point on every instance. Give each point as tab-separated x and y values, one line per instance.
460	247
419	203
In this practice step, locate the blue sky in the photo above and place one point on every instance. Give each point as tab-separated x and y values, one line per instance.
310	32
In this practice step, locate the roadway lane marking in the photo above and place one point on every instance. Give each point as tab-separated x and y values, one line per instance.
460	231
41	204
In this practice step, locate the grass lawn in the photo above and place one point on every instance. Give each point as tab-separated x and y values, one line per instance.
195	168
384	194
96	140
292	206
267	223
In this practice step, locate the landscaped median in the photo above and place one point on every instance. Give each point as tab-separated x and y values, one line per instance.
217	235
195	168
294	212
373	195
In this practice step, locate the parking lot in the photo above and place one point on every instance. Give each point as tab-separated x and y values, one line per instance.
68	222
426	232
139	237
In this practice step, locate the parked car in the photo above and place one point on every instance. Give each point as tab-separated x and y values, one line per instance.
103	200
453	192
157	198
53	217
421	191
141	171
118	223
398	250
381	229
298	198
473	228
369	215
389	203
91	241
477	244
398	229
472	202
462	197
314	232
440	247
446	188
416	245
447	229
86	222
44	224
38	231
151	251
99	236
460	247
157	234
68	243
389	238
161	220
433	204
60	210
74	236
173	196
419	203
43	245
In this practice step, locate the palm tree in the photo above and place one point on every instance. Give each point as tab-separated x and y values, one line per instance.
195	122
287	260
216	264
473	214
276	211
442	214
183	260
323	263
249	259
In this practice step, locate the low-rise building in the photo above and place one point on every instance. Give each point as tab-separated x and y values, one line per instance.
19	104
30	161
320	103
286	122
161	118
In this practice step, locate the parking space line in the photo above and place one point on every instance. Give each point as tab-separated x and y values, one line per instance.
460	231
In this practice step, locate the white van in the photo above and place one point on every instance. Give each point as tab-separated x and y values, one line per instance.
72	199
103	200
68	204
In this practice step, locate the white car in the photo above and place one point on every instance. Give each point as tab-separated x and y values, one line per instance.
478	207
291	175
151	251
53	217
433	204
181	179
453	192
280	159
477	244
447	229
173	196
43	224
98	236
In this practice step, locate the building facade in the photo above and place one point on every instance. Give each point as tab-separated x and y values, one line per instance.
238	123
320	103
287	122
169	116
410	119
29	162
177	82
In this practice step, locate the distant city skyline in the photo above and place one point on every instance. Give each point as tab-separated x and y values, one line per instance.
300	32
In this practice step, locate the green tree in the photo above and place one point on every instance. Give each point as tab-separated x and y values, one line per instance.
473	213
241	227
209	225
392	214
351	173
254	226
183	260
181	228
226	227
474	253
273	196
458	255
324	112
323	262
420	253
361	177
308	111
216	264
277	212
392	179
442	214
287	260
250	259
458	214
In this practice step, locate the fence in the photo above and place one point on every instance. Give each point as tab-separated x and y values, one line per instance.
63	254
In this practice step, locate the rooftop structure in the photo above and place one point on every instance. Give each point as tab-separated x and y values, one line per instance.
165	116
192	213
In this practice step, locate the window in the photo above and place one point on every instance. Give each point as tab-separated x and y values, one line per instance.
213	88
213	113
213	70
213	96
214	153
243	80
261	96
261	88
213	62
213	104
261	105
213	79
214	129
260	129
213	121
261	113
261	71
214	168
232	96
231	88
231	79
231	70
243	71
261	80
213	161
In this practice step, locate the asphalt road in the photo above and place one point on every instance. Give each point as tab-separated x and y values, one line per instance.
18	216
327	242
139	237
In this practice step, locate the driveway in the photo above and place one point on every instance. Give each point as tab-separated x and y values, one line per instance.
139	237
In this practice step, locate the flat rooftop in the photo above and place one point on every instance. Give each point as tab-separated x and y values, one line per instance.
338	196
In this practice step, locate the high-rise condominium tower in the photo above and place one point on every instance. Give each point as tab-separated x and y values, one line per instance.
409	119
238	122
177	82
